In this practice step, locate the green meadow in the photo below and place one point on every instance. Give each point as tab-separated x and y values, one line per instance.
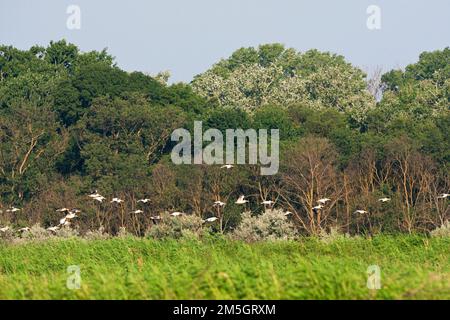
412	267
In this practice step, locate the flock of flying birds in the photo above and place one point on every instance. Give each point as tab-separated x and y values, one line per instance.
71	214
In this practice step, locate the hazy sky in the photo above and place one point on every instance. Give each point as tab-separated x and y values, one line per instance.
188	36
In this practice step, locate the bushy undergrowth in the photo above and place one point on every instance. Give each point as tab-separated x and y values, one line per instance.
188	226
37	233
97	234
271	225
442	231
334	234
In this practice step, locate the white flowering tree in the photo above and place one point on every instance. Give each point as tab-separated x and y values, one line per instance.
271	74
251	86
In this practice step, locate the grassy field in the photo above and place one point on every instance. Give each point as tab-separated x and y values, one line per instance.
129	268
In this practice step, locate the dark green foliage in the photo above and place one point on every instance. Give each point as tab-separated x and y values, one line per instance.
275	117
120	138
227	118
431	65
61	53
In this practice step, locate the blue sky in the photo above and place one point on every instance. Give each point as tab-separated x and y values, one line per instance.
186	37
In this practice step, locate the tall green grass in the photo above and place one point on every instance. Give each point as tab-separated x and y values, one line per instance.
131	268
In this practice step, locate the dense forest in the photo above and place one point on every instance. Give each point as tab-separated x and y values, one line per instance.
73	122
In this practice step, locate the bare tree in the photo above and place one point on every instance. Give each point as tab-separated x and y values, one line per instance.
310	174
374	84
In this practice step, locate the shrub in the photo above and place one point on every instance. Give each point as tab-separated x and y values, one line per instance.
334	235
37	233
7	235
176	227
98	234
67	233
271	225
442	231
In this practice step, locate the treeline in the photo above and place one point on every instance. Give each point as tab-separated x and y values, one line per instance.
74	122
